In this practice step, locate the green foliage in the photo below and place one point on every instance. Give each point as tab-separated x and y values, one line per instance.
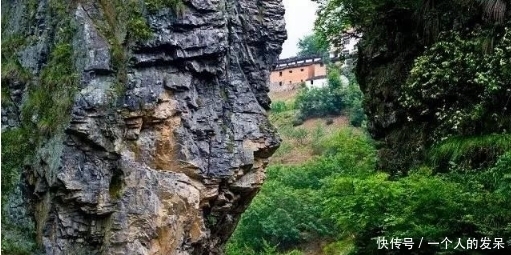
459	89
288	209
502	173
44	111
12	71
353	96
339	196
300	135
15	147
338	16
470	152
177	6
47	106
320	102
313	45
280	106
454	105
420	205
49	103
17	244
234	249
284	149
137	26
332	99
343	247
317	136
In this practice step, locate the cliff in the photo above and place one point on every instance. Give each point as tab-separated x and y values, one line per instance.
138	127
436	74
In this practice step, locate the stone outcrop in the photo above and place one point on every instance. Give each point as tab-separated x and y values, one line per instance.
166	163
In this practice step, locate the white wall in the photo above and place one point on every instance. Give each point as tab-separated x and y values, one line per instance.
351	45
317	83
320	83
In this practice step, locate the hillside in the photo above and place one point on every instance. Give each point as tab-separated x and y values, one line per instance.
432	167
148	127
298	141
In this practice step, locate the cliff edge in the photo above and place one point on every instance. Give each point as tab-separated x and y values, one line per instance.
143	123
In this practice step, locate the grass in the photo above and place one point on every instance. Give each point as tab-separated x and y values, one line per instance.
177	6
45	110
463	149
299	143
15	148
12	70
50	102
343	247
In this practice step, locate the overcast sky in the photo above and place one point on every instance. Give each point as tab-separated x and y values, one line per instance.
300	16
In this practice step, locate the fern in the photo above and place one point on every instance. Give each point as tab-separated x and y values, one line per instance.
468	150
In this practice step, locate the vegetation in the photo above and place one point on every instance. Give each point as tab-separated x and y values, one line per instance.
434	80
44	111
332	100
460	88
313	45
177	6
338	196
436	86
14	147
50	102
418	54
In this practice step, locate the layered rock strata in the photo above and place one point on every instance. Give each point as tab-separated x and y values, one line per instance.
166	163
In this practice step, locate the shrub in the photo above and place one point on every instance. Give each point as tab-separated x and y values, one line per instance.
319	102
278	107
177	6
288	209
317	136
332	99
298	120
458	89
300	135
470	151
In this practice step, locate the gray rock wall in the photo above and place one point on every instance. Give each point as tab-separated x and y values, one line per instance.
167	163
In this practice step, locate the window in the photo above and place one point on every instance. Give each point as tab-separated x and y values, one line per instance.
290	71
312	82
280	83
301	69
280	73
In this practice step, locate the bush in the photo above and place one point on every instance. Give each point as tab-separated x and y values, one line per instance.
339	196
332	99
458	89
278	107
298	120
300	135
15	147
317	136
288	210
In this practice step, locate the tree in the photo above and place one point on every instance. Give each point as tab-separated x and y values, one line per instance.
312	45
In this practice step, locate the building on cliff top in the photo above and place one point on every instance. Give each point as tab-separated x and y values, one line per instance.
289	73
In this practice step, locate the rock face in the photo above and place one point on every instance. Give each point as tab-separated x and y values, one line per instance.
167	165
385	58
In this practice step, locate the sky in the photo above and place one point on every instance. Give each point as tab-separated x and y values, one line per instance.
300	16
